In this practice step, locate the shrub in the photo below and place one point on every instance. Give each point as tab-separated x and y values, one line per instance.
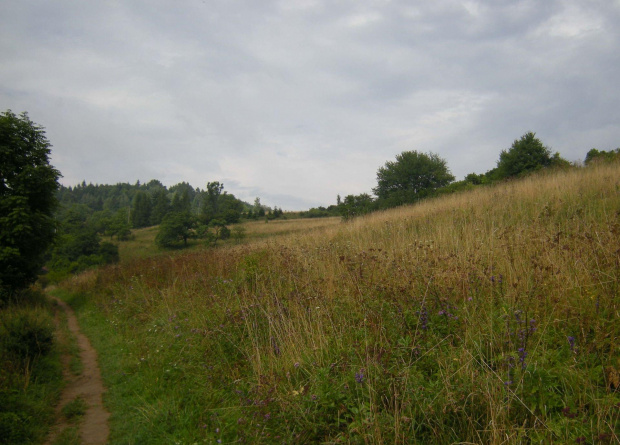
26	334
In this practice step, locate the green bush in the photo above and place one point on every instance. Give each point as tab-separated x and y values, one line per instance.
26	334
30	371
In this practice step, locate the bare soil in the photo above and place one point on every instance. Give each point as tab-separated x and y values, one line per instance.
93	427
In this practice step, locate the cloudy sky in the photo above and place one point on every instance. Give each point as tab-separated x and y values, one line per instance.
296	101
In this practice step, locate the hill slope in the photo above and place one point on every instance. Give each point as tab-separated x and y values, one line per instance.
487	317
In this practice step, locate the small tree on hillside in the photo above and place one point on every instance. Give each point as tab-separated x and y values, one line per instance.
411	177
174	229
525	155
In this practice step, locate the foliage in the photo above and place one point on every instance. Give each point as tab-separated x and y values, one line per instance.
79	247
174	229
595	155
27	200
356	205
219	205
30	376
141	210
526	155
411	177
161	206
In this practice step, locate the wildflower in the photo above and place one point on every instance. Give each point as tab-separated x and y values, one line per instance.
359	376
571	342
423	318
532	325
508	382
522	355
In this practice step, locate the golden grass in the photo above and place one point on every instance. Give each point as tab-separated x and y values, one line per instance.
504	275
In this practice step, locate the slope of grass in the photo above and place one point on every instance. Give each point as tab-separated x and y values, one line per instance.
484	317
30	369
142	243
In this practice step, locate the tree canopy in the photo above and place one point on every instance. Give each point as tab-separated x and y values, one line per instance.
28	184
412	176
525	155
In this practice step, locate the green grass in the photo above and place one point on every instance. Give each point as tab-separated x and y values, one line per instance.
30	370
489	316
68	436
74	410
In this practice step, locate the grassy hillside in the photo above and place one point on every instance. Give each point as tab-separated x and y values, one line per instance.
484	317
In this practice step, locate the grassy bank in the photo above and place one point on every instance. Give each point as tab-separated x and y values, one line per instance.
488	317
30	369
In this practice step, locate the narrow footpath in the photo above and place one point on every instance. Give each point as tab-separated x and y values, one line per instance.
93	427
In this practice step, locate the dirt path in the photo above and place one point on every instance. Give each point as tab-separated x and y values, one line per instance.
88	385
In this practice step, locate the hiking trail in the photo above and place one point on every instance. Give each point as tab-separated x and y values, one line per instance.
93	427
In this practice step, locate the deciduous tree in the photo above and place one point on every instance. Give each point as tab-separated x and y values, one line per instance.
412	176
28	184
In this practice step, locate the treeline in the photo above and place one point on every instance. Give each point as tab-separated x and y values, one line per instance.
414	176
89	213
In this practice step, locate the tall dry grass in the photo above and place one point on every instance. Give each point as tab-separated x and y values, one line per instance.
489	316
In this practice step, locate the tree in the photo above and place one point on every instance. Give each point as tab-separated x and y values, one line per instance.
411	177
356	205
175	227
596	155
160	207
525	155
141	210
28	185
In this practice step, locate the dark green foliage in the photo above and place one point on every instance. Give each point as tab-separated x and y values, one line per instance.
27	200
118	226
411	177
174	229
161	206
27	334
141	210
526	155
217	204
79	245
595	155
356	205
182	201
30	373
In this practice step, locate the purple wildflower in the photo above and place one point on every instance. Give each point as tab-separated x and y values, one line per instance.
571	342
522	355
423	318
359	376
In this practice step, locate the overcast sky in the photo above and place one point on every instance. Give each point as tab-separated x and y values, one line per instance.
296	101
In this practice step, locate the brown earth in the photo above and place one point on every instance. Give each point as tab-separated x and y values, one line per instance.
93	427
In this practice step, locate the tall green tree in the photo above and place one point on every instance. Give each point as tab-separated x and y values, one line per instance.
141	210
182	201
174	229
160	207
210	203
525	155
412	176
28	185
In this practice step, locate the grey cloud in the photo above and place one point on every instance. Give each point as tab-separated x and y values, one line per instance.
297	101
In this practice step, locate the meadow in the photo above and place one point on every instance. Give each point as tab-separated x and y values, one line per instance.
488	316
